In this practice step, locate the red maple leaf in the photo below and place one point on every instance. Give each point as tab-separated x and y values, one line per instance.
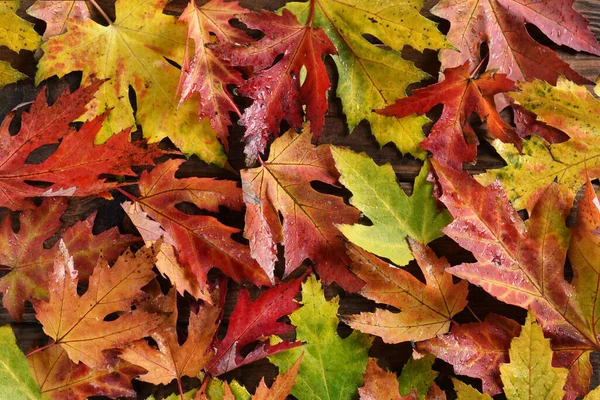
279	91
254	320
452	140
77	166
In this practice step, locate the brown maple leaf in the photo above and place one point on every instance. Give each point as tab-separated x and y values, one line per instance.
282	185
77	324
522	263
59	378
29	263
452	140
278	88
501	23
57	13
426	308
200	242
206	73
170	360
76	167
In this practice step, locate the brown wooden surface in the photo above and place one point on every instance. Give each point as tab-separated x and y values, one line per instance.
29	331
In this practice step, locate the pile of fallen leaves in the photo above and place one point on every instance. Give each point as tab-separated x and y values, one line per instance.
157	89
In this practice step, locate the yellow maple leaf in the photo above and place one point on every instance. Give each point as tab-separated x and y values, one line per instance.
16	34
133	52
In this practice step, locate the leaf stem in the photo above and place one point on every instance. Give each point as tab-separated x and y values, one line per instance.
40	349
180	388
473	313
312	13
476	70
127	194
101	11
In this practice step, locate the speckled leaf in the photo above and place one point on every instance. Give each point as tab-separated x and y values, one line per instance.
9	75
16	33
426	308
512	51
132	51
76	323
529	374
16	381
476	349
332	367
451	139
59	378
30	264
394	215
57	13
282	185
371	76
380	384
567	107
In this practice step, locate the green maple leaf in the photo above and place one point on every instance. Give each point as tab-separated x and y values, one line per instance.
16	381
395	215
332	367
372	77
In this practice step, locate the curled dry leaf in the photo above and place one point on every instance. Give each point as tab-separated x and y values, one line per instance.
30	264
76	323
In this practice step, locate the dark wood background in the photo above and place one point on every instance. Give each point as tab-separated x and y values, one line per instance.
110	214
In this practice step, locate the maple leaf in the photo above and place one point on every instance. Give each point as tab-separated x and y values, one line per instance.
501	24
476	349
199	242
17	382
76	323
530	374
252	321
59	378
395	216
567	107
76	167
171	360
57	13
370	76
133	51
279	90
206	73
522	263
282	185
468	392
166	260
427	309
418	376
380	384
452	140
16	34
279	390
8	74
332	367
30	263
